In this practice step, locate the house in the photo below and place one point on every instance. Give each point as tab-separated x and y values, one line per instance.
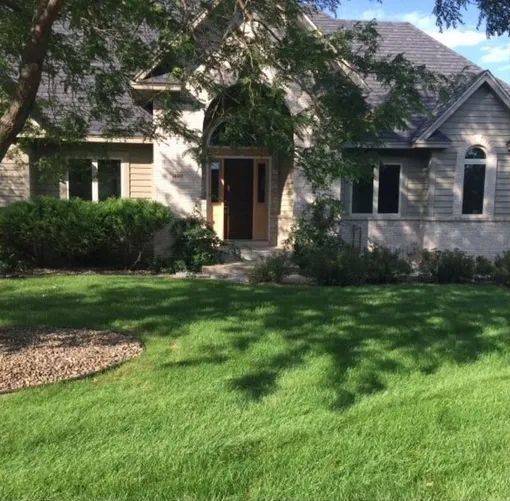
443	183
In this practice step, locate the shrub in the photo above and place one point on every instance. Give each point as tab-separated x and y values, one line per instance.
484	268
342	265
51	232
502	268
385	266
9	263
195	244
317	228
271	269
447	266
128	227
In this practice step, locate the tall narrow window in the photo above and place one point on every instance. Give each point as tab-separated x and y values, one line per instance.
215	181
474	181
389	189
261	183
362	196
80	179
108	178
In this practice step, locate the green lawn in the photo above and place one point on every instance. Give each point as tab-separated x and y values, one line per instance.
266	393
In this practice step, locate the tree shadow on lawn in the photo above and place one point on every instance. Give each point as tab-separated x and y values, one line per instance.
366	333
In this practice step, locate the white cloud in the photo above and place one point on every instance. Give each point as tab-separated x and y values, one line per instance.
377	13
460	37
498	54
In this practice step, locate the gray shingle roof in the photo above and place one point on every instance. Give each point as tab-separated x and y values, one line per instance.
395	38
419	48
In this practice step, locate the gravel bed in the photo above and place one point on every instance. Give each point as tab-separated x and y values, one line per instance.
32	357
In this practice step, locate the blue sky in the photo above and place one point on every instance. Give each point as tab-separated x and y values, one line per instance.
493	53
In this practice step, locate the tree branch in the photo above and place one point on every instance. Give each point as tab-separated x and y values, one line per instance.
34	53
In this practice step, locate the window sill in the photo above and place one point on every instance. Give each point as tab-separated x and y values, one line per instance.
373	216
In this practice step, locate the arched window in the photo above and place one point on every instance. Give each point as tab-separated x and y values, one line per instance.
473	194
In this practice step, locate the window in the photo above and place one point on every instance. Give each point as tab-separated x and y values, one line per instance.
108	178
389	189
80	179
94	180
388	192
215	182
474	181
363	196
261	183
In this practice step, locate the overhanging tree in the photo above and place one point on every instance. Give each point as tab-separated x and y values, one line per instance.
92	49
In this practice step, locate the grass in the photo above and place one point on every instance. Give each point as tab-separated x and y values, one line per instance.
266	393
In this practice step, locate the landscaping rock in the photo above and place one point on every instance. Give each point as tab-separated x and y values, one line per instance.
32	357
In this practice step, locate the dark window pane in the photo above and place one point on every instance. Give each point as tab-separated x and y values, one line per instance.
261	184
362	196
80	179
475	154
474	188
108	177
389	189
215	182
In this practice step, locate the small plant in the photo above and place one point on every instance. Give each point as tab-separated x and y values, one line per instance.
484	268
502	269
271	269
10	264
195	244
317	228
447	266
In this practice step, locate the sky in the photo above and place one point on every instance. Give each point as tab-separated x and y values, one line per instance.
492	54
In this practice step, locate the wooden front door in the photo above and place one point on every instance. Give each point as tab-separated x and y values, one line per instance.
238	183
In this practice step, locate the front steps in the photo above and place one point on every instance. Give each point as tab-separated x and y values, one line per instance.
251	251
240	258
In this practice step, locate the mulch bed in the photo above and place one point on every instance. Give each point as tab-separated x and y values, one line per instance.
32	357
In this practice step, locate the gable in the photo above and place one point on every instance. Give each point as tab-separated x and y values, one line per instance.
483	113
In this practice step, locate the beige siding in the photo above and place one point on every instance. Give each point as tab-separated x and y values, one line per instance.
140	181
415	183
444	164
14	178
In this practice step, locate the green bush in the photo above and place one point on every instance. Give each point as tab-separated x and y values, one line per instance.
448	266
10	264
195	244
129	227
271	269
502	269
51	232
385	266
484	268
342	265
316	230
321	254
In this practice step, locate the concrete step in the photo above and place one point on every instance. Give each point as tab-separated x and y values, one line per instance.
257	253
236	251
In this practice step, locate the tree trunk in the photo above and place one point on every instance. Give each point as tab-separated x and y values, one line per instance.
34	53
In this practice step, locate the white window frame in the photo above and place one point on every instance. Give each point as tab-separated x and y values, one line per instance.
491	164
375	196
124	177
